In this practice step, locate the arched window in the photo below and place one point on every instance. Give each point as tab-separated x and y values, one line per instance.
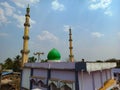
53	87
65	87
33	81
40	83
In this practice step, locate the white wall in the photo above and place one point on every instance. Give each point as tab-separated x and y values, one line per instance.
26	78
92	78
108	74
85	81
97	79
104	76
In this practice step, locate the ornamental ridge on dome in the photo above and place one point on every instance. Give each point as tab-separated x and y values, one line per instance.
54	55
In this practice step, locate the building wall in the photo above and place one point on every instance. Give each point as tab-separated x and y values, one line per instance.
40	72
26	78
85	81
63	74
97	79
91	80
108	73
116	73
104	75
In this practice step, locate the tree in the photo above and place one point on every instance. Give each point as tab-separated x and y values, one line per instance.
8	64
99	61
44	60
32	59
111	60
17	64
114	60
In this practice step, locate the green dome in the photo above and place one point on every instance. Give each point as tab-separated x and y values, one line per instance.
53	55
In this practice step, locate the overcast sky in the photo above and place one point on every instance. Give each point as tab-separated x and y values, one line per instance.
95	27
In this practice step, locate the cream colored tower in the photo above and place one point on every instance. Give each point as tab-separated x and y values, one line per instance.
25	50
71	56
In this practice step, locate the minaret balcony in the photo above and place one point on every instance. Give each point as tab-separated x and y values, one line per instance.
25	52
27	24
70	47
26	37
27	15
70	39
71	55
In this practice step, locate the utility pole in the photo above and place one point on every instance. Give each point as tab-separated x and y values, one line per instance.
38	53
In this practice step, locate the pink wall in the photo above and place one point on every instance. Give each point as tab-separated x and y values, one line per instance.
108	73
40	72
63	74
104	76
97	79
87	81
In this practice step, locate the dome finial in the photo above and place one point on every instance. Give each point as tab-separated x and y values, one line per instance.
28	9
28	6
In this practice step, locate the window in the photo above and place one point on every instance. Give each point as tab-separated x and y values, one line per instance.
53	87
65	87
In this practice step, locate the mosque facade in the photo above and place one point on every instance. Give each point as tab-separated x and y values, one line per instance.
57	75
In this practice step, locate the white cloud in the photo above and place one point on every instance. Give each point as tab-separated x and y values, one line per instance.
119	33
97	34
24	3
57	6
6	11
3	18
9	10
66	28
3	34
21	20
108	12
101	4
47	36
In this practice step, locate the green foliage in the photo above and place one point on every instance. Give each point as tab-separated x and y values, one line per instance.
14	64
99	61
17	64
43	60
32	59
113	60
8	64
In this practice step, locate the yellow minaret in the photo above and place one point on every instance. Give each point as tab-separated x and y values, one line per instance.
25	50
71	56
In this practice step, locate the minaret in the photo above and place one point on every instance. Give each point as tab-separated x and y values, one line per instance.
71	56
25	50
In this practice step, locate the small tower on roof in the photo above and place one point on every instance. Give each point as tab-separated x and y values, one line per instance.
71	56
25	51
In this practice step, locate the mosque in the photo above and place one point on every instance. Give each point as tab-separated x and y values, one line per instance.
57	75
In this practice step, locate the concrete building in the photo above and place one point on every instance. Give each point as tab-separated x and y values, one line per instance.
57	75
116	73
66	75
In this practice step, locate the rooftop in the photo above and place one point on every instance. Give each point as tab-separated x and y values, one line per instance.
84	66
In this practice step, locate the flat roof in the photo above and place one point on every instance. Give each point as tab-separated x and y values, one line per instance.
85	66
